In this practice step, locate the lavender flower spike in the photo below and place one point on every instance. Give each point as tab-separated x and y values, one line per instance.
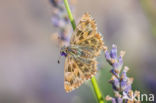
113	52
60	20
121	84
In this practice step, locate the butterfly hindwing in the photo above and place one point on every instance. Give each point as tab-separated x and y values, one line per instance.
73	77
76	71
87	67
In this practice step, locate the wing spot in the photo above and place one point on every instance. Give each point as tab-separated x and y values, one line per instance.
79	32
78	74
80	64
93	41
71	82
74	66
69	69
86	69
86	42
81	37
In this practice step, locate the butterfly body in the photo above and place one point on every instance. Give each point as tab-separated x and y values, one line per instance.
77	51
85	45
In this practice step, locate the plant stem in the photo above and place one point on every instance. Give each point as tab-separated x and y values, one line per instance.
93	79
97	90
70	14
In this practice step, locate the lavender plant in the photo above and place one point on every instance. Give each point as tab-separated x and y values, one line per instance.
121	84
60	20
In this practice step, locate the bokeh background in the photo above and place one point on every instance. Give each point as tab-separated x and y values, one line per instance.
29	72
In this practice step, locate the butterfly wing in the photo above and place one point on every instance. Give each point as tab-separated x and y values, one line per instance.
76	71
95	44
85	29
85	35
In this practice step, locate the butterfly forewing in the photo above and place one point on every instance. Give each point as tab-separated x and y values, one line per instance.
86	35
84	30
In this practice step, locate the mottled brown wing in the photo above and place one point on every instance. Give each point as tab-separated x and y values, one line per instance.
95	43
85	35
84	30
76	71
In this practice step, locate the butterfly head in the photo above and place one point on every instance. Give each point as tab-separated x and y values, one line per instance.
63	51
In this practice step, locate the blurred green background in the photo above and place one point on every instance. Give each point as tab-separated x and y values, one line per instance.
29	72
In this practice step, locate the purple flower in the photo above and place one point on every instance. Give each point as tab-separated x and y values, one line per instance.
60	20
114	72
107	55
55	20
115	65
113	100
113	52
120	82
57	3
54	2
113	60
115	83
120	62
127	89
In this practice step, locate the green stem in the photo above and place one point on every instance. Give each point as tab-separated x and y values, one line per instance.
97	90
93	79
70	14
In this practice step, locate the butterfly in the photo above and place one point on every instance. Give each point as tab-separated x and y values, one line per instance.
80	56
